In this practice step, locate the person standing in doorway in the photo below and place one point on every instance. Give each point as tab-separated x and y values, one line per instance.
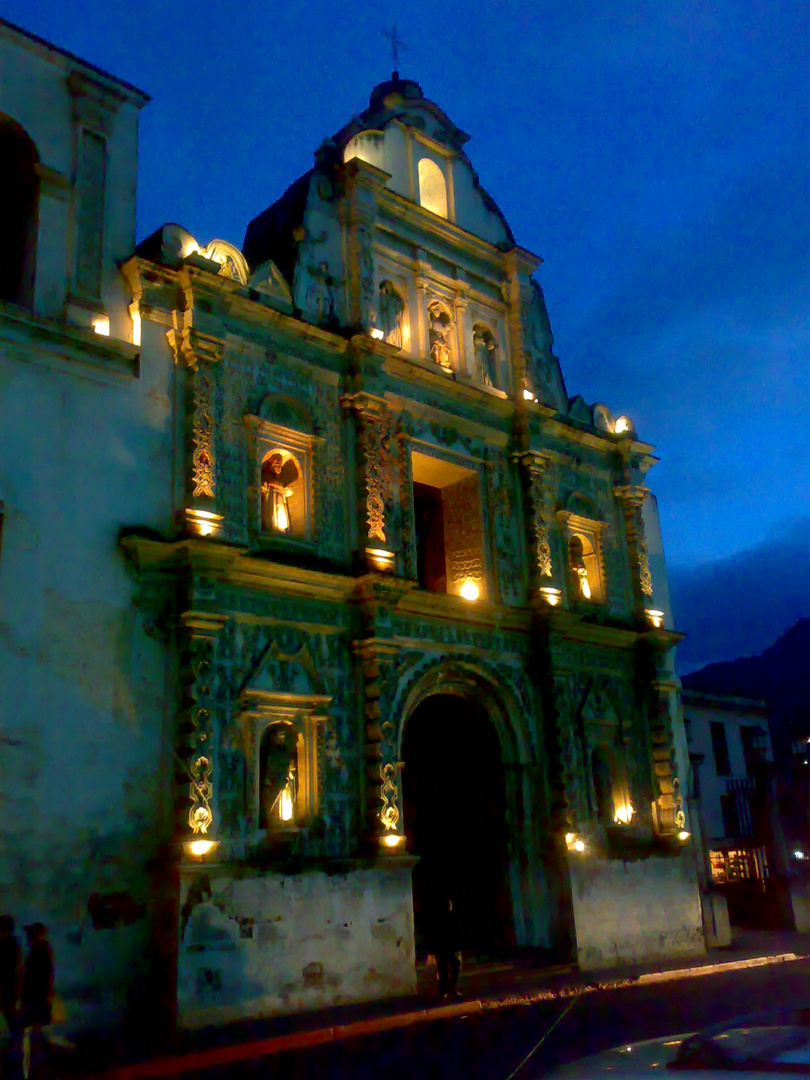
447	945
10	972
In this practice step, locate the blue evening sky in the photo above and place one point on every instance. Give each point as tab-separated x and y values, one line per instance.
655	154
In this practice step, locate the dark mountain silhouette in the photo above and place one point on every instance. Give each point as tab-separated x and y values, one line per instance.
780	676
737	606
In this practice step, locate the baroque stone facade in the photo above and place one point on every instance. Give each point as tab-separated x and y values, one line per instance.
375	492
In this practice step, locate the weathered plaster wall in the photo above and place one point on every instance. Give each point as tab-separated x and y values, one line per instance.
630	912
275	943
83	757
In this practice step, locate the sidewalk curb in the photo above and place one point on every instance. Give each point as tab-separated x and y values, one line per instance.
225	1055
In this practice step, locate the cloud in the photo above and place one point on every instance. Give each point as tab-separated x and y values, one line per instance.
739	606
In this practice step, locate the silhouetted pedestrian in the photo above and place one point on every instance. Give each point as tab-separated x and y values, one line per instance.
37	984
446	946
10	972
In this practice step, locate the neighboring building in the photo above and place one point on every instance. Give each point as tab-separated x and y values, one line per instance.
738	830
755	787
311	570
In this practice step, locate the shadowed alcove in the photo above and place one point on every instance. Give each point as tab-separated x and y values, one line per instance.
455	821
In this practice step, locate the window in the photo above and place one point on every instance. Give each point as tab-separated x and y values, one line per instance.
19	213
722	763
753	744
432	187
449	527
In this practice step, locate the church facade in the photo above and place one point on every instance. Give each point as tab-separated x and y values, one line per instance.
337	605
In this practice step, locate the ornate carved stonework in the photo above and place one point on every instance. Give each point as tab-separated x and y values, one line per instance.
375	430
632	499
203	476
534	467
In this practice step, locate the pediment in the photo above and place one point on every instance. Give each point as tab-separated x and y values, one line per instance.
289	675
268	281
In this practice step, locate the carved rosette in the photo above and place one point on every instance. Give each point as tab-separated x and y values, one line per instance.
534	470
632	499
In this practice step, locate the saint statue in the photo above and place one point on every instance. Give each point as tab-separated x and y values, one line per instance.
576	557
439	333
391	311
320	298
484	351
278	777
277	476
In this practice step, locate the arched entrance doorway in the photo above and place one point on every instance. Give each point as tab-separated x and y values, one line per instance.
455	821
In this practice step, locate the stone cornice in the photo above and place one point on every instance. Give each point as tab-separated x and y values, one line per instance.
32	338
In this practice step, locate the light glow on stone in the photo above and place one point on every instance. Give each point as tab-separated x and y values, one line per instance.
469	590
199	848
101	325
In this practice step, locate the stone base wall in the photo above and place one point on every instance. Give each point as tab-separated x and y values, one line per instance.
268	943
628	912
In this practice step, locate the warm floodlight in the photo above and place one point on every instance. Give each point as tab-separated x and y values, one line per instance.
469	590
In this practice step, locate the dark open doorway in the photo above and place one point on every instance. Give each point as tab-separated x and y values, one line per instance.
455	821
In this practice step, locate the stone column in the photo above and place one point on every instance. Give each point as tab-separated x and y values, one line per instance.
200	353
377	483
631	497
534	476
656	687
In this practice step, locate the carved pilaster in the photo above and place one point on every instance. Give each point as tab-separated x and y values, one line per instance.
195	744
376	472
199	353
632	499
358	214
656	691
534	475
383	774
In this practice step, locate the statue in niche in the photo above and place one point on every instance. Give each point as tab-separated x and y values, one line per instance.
439	334
576	557
279	756
320	295
277	477
485	355
391	312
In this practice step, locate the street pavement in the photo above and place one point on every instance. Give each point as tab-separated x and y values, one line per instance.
505	1012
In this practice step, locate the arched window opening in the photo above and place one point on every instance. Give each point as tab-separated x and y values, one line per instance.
432	187
485	356
19	213
584	563
283	505
278	768
602	776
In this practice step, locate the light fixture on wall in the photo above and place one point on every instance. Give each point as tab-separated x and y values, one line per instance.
623	426
198	849
656	617
380	559
624	813
376	333
101	325
683	835
574	842
203	522
551	595
392	840
469	590
528	395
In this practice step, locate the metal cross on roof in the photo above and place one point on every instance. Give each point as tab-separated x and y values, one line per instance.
396	44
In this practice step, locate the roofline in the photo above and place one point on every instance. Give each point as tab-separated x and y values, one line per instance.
137	96
710	697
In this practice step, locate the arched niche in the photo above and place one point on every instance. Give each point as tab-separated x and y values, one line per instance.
284	510
432	187
19	213
485	355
